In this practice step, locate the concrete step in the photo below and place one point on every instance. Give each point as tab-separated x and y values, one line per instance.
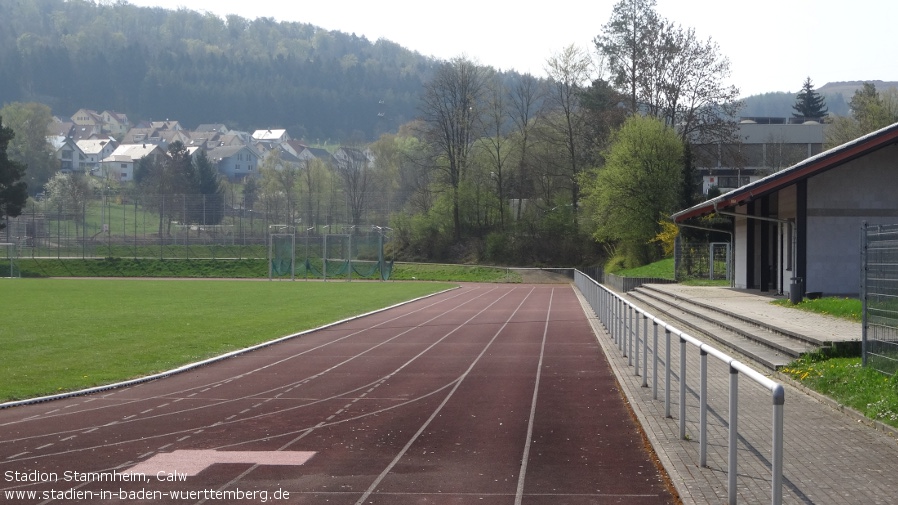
763	344
716	310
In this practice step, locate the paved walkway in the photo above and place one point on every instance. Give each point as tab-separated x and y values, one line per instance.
830	456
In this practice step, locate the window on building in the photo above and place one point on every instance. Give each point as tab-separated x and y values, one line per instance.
732	181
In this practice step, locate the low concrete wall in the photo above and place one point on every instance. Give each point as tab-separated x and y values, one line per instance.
624	284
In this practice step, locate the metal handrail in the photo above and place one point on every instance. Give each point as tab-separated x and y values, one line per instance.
618	316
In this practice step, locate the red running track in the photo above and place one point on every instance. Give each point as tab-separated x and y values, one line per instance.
492	394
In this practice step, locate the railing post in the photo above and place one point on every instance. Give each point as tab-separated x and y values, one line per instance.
645	350
667	373
779	401
620	325
682	388
703	412
654	359
628	336
733	436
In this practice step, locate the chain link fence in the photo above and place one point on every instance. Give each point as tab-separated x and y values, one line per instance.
703	260
879	295
190	227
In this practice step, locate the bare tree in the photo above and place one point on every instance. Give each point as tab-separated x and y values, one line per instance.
279	185
356	169
525	97
69	194
626	41
162	180
451	108
668	73
496	143
691	95
569	71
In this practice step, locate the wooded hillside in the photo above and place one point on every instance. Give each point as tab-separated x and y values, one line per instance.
152	63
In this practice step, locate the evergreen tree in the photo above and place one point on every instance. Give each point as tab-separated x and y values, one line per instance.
13	191
205	183
809	104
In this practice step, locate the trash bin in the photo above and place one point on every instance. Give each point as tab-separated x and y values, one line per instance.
795	290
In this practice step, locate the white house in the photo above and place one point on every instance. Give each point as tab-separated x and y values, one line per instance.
270	136
95	151
70	157
121	163
235	162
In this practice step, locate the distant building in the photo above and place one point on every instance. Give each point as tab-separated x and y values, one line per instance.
115	123
235	162
801	226
270	137
94	151
120	165
768	145
92	123
66	151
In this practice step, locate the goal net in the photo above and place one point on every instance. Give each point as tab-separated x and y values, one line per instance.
8	266
282	253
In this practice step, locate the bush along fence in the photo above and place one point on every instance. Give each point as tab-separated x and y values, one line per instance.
628	326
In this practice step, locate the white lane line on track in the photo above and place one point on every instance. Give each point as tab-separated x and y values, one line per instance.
380	382
442	404
519	495
373	386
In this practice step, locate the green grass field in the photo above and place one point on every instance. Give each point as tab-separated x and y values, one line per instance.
67	334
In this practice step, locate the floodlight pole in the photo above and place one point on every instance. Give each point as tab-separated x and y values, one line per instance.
306	266
349	256
324	257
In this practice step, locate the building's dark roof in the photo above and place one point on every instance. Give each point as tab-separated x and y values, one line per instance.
808	168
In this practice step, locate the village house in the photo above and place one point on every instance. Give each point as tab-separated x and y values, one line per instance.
235	162
94	151
66	151
120	165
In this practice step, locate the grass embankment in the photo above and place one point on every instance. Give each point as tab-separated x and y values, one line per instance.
845	379
67	334
664	269
237	269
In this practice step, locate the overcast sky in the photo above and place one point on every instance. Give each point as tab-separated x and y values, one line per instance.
772	45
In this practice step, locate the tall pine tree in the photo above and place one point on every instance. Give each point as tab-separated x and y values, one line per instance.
809	105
